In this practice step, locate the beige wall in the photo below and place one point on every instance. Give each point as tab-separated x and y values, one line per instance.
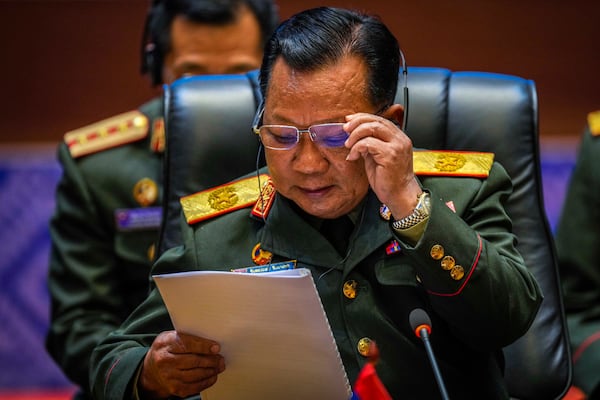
70	62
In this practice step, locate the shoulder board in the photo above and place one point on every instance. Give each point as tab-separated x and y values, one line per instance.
111	132
452	163
222	199
593	119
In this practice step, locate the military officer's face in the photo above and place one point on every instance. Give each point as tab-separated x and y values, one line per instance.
317	178
203	49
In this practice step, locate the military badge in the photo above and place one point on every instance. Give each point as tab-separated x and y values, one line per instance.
157	141
265	200
145	192
384	212
393	247
260	256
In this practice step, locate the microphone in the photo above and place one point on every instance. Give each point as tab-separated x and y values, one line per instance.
421	325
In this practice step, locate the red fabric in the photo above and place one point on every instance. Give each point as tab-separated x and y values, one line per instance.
368	386
574	393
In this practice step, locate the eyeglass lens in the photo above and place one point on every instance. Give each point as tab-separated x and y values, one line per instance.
284	137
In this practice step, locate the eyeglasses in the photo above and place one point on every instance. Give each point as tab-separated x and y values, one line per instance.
284	137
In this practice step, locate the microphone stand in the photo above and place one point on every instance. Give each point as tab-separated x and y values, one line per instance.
424	334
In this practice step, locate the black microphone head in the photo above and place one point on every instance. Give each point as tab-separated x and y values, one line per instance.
419	319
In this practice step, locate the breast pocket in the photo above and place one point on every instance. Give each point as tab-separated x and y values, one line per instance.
396	272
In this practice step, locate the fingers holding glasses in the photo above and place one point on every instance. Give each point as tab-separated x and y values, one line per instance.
375	136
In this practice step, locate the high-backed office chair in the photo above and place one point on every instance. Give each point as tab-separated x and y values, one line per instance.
447	110
207	121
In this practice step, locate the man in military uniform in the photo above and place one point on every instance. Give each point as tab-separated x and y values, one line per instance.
578	248
341	197
108	203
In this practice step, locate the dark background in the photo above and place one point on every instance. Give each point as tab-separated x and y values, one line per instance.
66	63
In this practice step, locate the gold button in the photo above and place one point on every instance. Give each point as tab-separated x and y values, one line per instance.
437	251
364	346
447	263
457	272
350	289
151	252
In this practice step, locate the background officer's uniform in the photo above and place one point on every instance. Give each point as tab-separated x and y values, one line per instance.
103	231
578	248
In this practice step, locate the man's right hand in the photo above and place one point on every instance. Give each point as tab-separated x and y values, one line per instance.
179	365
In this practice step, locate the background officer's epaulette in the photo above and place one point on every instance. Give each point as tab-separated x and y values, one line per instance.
221	199
452	163
593	119
111	132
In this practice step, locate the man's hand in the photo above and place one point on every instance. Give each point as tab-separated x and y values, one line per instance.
388	157
179	365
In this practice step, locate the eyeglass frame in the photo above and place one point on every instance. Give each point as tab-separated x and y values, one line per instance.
313	137
258	117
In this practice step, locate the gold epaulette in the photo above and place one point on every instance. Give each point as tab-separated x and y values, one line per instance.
452	163
111	132
593	119
222	199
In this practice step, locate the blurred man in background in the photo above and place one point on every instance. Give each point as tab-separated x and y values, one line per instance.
578	247
108	202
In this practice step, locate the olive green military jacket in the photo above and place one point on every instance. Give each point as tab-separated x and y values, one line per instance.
474	314
102	232
578	249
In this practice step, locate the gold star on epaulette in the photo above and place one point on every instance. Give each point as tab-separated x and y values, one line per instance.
452	163
221	199
111	132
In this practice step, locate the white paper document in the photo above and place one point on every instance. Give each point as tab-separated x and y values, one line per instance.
272	328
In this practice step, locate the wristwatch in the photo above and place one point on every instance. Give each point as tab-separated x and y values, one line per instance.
420	213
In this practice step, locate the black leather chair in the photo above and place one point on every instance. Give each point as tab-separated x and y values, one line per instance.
209	141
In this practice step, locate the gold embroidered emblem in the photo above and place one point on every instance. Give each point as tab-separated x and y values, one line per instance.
223	198
145	192
450	162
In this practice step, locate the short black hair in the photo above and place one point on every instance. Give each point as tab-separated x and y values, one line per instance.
156	37
319	37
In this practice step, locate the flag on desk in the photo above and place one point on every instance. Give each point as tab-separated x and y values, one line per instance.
368	386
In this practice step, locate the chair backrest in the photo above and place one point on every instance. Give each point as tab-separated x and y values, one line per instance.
209	139
208	123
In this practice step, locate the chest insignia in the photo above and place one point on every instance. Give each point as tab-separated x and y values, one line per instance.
393	247
260	256
145	192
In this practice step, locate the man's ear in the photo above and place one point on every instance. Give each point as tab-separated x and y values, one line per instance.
395	112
